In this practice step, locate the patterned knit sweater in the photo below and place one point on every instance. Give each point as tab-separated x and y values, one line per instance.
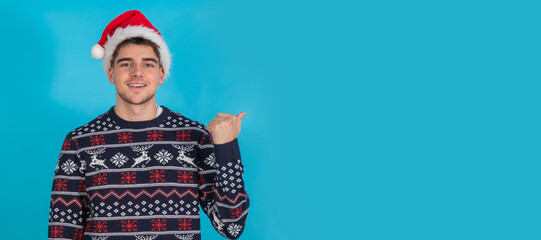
117	179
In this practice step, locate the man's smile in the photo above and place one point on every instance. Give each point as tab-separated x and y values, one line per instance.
137	86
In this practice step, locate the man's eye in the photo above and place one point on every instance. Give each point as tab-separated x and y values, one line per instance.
149	65
124	64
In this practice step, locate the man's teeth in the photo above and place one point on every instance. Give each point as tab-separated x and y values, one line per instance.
136	85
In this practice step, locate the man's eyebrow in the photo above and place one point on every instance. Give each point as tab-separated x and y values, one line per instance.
151	59
124	59
131	59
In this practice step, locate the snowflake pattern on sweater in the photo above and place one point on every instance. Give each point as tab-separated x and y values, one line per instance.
117	179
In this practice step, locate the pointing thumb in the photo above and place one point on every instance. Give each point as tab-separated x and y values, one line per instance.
241	115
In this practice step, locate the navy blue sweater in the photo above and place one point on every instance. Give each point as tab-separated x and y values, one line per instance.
117	179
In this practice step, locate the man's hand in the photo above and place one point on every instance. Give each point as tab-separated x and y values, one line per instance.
225	127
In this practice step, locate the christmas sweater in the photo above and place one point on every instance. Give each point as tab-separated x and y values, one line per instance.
117	179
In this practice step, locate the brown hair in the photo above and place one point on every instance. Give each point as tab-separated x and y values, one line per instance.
137	41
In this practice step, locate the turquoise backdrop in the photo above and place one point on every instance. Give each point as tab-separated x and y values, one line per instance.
366	119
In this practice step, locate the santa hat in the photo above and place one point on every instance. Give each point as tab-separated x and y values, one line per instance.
128	25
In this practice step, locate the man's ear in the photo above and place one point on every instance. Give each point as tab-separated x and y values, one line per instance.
162	75
110	75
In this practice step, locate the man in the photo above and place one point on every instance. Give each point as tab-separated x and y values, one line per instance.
140	171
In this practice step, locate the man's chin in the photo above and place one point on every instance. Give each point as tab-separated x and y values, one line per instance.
136	101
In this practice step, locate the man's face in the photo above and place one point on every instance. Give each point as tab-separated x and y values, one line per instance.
136	74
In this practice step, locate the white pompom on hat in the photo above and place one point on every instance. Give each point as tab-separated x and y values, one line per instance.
128	25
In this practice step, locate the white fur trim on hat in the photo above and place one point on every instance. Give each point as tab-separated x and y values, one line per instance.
122	34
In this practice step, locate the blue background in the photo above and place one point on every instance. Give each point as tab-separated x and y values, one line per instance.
366	120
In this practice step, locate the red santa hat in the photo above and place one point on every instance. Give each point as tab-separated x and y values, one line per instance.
128	25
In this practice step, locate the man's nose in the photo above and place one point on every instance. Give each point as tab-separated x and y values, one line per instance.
137	70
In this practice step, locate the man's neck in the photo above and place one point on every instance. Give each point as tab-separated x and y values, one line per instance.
136	113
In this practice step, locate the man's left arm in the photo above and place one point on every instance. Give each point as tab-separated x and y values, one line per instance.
223	196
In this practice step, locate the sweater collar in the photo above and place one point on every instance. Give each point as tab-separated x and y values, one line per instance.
139	124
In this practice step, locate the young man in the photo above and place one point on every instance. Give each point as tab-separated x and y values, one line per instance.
140	171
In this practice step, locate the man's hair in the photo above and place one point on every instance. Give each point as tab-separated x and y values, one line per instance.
137	41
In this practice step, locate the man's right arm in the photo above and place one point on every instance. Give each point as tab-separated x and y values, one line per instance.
68	198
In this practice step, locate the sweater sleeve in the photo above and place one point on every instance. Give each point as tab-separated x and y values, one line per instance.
68	198
221	187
